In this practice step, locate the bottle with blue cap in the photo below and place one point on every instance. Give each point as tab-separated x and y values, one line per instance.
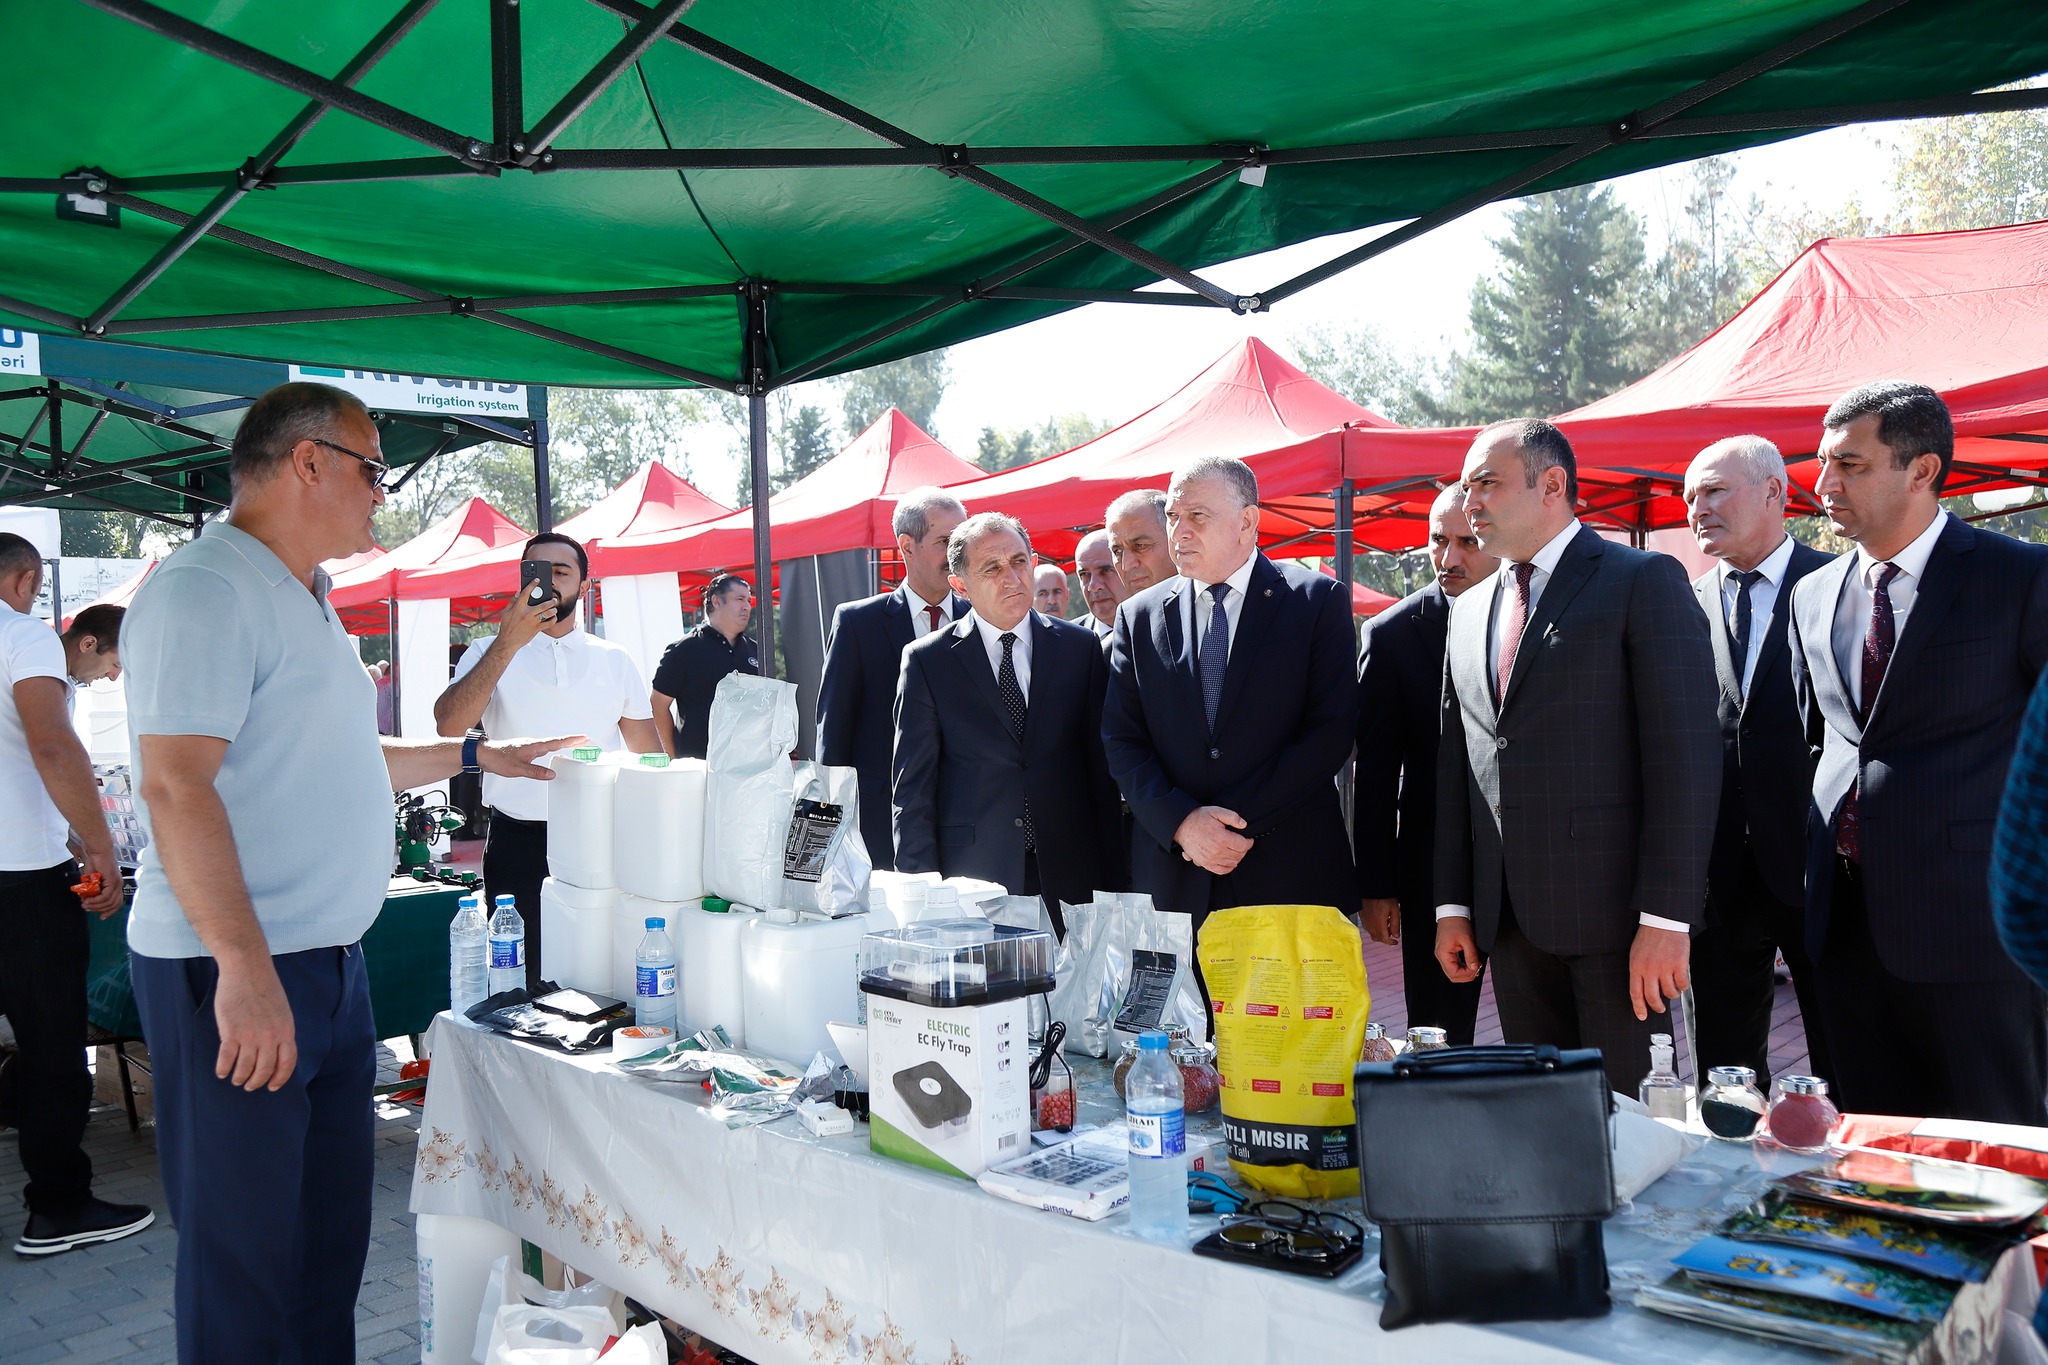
468	954
1156	1110
654	977
508	947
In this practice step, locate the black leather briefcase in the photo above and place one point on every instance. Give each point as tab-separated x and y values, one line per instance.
1488	1171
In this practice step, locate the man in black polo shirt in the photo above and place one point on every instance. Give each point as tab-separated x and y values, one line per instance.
691	667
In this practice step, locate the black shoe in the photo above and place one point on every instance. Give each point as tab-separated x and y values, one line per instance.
97	1221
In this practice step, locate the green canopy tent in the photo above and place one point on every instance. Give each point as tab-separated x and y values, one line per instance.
595	192
99	425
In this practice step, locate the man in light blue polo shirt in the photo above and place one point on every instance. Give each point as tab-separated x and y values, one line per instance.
267	795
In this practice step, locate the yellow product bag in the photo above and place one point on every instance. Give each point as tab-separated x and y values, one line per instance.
1287	990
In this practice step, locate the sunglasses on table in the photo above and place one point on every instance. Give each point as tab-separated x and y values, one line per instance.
380	473
1275	1228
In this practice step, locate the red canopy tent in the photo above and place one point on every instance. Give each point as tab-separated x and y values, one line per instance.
655	500
846	504
122	596
1251	403
1963	312
366	582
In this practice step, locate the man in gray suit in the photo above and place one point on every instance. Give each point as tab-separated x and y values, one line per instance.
1913	659
1580	768
1756	880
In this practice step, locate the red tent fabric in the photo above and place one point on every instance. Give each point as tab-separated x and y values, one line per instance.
655	500
1252	403
844	505
1963	312
120	597
474	526
1364	601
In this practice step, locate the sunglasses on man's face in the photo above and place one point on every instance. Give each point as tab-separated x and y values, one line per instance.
380	473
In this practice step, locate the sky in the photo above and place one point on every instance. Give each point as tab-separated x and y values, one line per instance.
1113	361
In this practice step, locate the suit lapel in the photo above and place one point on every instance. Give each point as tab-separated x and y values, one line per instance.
1726	670
1776	629
1574	570
1465	646
1045	663
1253	619
1819	627
902	629
1939	584
1170	635
971	659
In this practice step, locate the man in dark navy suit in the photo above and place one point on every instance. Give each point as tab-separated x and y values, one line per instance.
999	769
1913	659
864	658
1756	875
1393	818
1231	707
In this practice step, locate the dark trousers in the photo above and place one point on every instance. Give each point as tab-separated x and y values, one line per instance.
1946	1049
43	952
270	1191
1733	985
1433	998
1572	1001
515	864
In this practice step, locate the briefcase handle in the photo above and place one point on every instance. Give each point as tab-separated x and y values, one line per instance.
1510	1057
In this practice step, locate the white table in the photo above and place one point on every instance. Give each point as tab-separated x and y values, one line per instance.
791	1248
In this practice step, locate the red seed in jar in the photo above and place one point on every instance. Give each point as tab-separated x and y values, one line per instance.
1056	1109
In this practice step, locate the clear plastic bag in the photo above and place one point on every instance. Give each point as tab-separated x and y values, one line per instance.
511	1287
1098	962
825	863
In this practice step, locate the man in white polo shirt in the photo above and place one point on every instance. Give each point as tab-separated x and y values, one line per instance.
267	797
542	674
47	788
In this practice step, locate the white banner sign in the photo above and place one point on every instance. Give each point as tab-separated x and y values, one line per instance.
22	353
416	392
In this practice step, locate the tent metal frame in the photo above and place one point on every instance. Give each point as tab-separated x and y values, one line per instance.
514	145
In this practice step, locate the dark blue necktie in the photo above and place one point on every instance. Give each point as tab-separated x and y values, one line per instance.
1215	653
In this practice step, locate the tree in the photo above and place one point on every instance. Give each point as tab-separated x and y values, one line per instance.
1553	329
1985	170
914	384
1006	449
805	442
1363	366
1700	281
102	535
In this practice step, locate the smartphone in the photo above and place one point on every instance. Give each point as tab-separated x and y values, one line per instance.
536	580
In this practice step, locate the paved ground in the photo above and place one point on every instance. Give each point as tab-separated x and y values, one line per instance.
113	1303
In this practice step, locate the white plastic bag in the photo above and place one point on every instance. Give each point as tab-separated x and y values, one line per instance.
825	863
644	1345
526	1335
511	1287
749	793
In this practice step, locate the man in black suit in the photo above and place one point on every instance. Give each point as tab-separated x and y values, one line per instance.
864	658
1005	780
1913	659
1756	878
1580	767
1231	708
1393	813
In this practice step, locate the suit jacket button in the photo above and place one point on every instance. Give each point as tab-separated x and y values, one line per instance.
1748	730
1019	823
1500	742
1215	753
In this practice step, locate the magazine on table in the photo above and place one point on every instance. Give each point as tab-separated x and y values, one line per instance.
1805	1274
1946	1253
1921	1188
1783	1318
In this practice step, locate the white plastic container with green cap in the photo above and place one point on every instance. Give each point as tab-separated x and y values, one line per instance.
658	827
580	818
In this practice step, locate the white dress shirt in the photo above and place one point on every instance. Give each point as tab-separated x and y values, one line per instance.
575	684
1545	561
1763	598
1852	609
1202	606
921	619
1020	653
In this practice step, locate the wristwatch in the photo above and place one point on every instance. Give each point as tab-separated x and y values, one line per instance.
469	743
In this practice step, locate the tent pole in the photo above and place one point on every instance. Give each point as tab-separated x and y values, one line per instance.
1344	568
755	385
543	490
397	674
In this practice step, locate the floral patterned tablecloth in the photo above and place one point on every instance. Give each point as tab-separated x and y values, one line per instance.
797	1250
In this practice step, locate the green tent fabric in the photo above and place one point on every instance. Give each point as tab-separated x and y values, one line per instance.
762	193
98	425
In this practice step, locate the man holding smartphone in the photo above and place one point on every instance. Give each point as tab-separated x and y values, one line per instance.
542	669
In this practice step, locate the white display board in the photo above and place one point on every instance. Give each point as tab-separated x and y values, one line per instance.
644	613
423	670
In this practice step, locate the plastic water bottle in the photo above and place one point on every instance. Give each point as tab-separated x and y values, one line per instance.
1159	1147
508	948
468	954
654	977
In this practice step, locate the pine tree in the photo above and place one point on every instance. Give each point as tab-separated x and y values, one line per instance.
1553	329
914	385
805	439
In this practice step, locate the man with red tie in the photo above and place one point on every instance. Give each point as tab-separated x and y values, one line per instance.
1913	660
